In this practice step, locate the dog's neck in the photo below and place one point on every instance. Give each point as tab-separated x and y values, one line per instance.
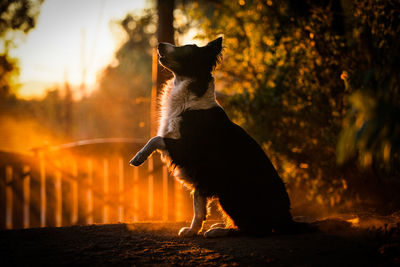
194	93
178	96
198	84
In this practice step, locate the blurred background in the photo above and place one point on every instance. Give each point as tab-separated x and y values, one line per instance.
316	83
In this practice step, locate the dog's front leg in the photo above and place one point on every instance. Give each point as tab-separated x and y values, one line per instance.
200	212
152	145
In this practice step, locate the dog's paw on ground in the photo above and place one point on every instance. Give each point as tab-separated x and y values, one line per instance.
187	232
217	225
217	232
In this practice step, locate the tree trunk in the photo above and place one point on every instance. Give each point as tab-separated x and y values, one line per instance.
165	33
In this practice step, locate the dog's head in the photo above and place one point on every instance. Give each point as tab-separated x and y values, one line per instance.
190	60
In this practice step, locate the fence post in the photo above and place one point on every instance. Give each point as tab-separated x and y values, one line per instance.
9	197
105	191
165	192
58	193
120	189
90	210
135	194
151	187
74	189
26	187
178	200
42	167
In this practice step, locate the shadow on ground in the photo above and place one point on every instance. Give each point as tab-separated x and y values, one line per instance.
157	244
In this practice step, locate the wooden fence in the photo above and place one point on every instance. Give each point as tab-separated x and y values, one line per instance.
87	182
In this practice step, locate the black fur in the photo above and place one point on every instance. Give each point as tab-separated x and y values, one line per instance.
222	160
218	158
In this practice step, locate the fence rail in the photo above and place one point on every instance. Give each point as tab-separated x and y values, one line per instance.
87	182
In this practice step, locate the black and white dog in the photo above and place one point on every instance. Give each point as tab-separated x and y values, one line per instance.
211	154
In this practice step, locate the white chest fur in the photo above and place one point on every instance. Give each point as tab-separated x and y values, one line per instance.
177	98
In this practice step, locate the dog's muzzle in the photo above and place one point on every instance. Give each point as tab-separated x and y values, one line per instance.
164	48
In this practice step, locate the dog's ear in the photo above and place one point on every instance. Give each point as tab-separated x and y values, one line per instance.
216	45
215	48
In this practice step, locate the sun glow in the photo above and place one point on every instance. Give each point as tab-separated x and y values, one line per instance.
72	41
355	221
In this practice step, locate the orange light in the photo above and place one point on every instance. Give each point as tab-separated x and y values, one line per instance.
354	222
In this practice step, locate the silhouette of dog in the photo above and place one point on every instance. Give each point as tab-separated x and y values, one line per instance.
211	154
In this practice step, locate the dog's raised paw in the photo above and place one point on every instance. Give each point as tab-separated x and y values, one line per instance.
137	160
187	232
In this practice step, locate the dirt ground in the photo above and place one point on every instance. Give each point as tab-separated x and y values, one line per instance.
157	244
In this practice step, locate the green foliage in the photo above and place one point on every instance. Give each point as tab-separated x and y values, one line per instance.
282	72
16	16
372	126
8	72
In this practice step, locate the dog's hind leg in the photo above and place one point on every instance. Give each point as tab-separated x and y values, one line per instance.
152	145
200	212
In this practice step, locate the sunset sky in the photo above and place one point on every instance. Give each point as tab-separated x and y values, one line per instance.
69	35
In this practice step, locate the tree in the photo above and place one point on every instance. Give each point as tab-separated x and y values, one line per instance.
121	105
16	16
371	129
165	33
281	72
